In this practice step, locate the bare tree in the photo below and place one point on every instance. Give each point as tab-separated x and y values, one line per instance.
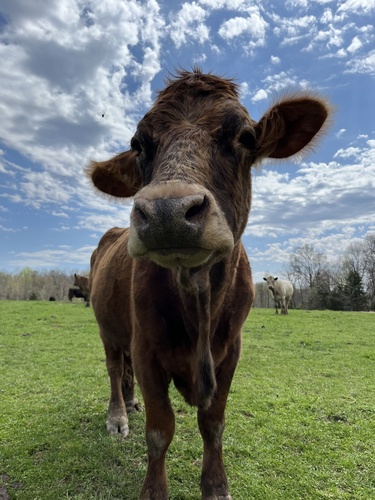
262	295
33	285
306	263
354	258
369	267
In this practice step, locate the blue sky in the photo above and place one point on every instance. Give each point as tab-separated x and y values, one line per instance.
66	64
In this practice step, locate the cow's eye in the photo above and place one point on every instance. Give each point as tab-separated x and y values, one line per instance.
247	139
136	145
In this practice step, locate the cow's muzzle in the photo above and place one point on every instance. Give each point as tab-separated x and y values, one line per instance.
177	225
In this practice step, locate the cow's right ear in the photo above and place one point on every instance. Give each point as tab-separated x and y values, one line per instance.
119	176
265	279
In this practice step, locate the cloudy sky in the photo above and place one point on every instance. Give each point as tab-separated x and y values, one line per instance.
76	76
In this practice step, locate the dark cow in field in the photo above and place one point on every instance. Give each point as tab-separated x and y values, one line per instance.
76	293
282	292
83	284
171	293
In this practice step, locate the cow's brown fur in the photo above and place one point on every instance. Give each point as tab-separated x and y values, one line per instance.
83	284
171	293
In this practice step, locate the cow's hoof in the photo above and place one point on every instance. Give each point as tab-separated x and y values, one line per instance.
118	426
133	406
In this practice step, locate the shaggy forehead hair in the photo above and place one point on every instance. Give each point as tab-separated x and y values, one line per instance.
193	99
200	83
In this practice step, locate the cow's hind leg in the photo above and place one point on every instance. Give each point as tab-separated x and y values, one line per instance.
131	401
117	418
214	483
283	306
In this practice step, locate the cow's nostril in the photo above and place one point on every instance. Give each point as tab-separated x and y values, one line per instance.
196	209
140	215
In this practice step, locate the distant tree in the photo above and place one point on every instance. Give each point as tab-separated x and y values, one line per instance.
369	266
354	258
350	295
320	292
338	298
304	265
33	296
360	258
355	294
262	295
33	285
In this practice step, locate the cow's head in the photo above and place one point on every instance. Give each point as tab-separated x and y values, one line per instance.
271	282
189	166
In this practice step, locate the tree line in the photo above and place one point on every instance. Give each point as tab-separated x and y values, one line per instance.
34	285
347	284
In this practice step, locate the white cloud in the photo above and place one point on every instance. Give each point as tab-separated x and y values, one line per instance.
282	81
53	258
363	64
103	222
12	229
355	45
275	60
347	153
254	26
341	53
220	4
357	6
341	132
327	16
60	214
62	67
260	95
294	29
320	199
188	24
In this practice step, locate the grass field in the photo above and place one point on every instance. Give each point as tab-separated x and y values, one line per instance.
300	415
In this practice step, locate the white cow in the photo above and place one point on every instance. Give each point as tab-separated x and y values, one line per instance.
282	291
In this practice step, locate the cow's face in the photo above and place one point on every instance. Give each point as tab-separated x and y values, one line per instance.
195	198
271	282
189	167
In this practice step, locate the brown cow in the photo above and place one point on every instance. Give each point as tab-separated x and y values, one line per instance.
83	284
171	293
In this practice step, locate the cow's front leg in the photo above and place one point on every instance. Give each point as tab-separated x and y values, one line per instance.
160	426
214	483
117	418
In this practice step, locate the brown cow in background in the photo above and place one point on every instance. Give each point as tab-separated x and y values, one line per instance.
83	284
171	293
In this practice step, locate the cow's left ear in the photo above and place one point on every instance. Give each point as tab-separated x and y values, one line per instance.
119	177
290	125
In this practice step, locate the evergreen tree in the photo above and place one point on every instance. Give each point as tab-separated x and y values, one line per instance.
356	297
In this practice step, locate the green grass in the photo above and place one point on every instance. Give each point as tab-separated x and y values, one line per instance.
300	415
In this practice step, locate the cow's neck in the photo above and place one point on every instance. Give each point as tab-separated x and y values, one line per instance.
202	292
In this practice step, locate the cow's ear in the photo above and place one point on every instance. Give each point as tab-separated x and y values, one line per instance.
119	177
275	279
265	279
291	125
